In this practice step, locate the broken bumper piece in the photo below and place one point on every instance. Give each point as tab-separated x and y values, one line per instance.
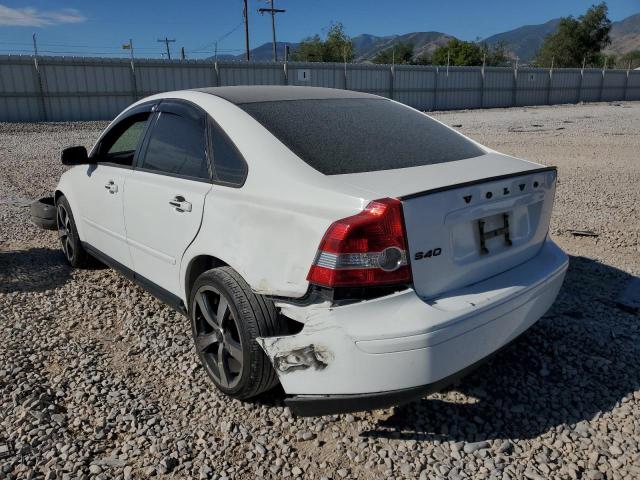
394	349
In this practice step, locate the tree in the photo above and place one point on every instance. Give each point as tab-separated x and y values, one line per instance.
458	52
496	56
400	53
629	60
337	47
423	59
604	60
578	39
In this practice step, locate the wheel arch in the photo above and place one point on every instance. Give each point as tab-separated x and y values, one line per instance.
196	266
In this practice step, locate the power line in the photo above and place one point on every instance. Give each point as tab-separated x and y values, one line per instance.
219	40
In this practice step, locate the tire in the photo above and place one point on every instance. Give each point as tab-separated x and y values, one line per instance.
72	248
227	348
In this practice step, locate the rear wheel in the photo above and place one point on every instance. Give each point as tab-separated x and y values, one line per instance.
226	318
73	251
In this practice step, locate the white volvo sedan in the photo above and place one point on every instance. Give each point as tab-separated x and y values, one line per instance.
345	245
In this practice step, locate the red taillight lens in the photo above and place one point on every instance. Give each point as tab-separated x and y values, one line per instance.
367	249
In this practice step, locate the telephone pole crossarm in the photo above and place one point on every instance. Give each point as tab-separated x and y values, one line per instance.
166	42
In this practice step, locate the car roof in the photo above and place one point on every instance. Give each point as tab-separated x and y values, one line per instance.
279	93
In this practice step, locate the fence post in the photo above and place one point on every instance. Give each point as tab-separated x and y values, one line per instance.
626	82
580	85
435	88
134	86
514	87
392	77
43	104
602	85
345	75
482	83
549	85
286	73
217	73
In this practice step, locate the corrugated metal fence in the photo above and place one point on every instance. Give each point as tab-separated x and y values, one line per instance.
62	89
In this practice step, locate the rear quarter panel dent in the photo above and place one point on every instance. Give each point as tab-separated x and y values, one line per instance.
271	242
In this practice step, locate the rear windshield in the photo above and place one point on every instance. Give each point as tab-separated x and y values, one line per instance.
338	136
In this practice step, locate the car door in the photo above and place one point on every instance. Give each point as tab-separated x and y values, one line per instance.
102	190
165	194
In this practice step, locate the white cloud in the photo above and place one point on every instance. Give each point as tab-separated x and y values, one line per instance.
31	17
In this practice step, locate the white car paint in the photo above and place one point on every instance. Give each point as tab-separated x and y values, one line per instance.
461	308
157	246
99	190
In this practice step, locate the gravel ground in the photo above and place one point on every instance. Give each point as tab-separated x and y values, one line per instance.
99	380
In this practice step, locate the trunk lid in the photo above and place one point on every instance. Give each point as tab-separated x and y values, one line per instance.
467	220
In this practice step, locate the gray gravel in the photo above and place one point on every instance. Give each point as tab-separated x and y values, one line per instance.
99	380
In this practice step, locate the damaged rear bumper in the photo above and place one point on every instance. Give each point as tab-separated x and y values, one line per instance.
393	349
315	405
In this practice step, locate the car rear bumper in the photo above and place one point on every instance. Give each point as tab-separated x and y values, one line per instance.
381	352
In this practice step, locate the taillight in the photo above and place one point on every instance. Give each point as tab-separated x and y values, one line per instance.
366	249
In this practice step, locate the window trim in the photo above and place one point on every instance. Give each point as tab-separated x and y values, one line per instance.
165	105
146	107
211	125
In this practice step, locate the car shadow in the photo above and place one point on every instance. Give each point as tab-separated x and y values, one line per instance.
32	270
577	362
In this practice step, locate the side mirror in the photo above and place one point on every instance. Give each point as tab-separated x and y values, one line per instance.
74	156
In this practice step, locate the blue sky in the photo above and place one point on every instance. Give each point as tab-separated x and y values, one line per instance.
98	28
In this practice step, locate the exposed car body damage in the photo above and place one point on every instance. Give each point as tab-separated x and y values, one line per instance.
312	356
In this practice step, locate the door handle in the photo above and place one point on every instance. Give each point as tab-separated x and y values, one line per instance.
180	204
111	186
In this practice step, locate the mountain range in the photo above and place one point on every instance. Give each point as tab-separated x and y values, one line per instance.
522	42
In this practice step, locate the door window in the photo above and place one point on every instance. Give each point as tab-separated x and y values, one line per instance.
228	164
177	146
120	144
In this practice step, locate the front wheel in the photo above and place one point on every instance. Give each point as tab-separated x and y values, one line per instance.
226	318
72	248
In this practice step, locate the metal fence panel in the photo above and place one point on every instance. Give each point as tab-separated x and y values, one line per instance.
415	86
154	77
633	85
19	92
86	89
251	74
64	88
565	86
374	79
331	75
613	85
498	87
458	87
532	86
591	85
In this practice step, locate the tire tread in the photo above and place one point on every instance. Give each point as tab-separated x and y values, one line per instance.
259	318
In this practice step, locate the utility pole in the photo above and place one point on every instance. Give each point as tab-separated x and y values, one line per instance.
129	46
35	45
273	12
182	56
166	41
245	13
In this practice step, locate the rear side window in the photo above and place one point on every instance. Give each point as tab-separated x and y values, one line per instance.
177	145
340	136
228	164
